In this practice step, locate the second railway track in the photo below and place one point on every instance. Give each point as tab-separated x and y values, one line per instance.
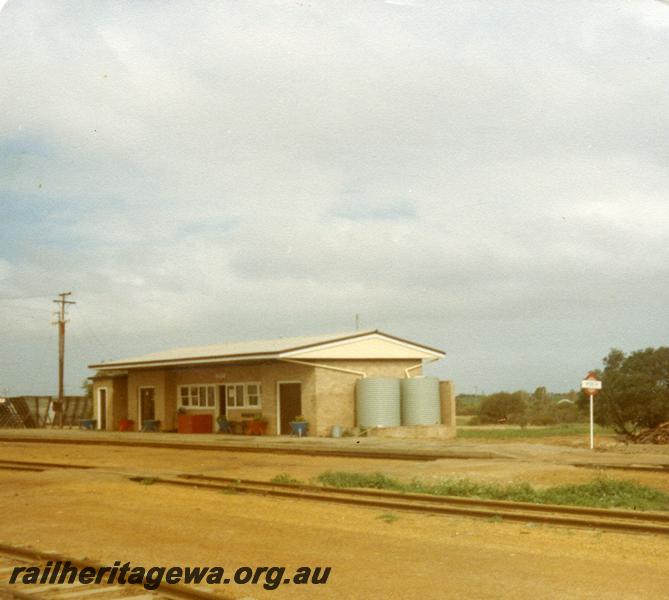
20	556
570	516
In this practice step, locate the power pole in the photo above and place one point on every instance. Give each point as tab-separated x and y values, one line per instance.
357	321
60	314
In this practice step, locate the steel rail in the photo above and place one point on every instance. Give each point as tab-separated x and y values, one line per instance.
637	468
467	507
31	555
492	504
41	465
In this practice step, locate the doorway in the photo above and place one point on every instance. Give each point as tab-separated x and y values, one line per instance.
102	408
147	405
290	404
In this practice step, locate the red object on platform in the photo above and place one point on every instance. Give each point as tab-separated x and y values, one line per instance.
195	424
125	424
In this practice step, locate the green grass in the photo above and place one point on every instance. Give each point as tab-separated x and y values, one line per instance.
285	478
516	432
601	492
388	517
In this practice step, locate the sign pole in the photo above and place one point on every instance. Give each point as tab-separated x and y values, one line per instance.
592	423
591	385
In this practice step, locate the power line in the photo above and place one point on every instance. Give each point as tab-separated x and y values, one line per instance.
93	335
22	297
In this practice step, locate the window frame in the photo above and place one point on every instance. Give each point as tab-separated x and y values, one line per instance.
198	396
245	405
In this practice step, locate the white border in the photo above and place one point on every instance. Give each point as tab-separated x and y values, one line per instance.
352	340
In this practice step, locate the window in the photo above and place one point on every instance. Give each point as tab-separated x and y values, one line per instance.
197	396
253	394
242	395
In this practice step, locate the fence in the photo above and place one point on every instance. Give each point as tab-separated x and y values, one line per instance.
29	412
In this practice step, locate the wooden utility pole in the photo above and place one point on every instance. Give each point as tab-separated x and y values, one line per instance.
60	314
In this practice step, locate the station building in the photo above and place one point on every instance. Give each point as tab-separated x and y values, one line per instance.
313	377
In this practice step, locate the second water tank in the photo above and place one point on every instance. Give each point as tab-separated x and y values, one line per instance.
420	401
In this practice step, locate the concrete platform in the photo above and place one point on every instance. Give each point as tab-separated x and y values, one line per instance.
424	449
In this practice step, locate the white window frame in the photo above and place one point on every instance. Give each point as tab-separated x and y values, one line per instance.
245	405
194	390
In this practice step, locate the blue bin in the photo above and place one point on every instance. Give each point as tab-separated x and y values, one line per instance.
299	428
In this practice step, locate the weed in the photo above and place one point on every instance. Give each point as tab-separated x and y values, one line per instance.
285	478
601	492
388	517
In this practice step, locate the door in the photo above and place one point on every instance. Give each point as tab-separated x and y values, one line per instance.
102	408
147	405
290	404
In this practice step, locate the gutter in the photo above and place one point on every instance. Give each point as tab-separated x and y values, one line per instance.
420	364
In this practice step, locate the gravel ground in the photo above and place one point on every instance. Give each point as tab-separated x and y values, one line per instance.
100	515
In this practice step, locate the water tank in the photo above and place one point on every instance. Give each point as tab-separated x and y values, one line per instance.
420	401
377	402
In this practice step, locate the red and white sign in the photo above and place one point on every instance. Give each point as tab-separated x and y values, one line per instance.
591	385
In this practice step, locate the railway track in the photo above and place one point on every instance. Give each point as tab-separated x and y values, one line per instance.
29	465
638	468
569	516
15	556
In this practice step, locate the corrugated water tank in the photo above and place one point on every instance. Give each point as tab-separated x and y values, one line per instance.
420	401
377	402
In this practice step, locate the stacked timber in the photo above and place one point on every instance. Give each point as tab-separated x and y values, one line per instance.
656	435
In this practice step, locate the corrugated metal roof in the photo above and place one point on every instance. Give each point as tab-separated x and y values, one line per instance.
261	347
244	350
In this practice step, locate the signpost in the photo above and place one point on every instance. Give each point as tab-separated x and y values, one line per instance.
591	385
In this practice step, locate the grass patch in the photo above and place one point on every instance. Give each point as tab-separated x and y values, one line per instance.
601	492
148	481
496	432
285	478
388	517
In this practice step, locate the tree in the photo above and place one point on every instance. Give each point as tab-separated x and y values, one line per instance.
502	406
635	390
540	393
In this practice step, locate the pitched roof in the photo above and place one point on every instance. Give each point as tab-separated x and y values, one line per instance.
250	350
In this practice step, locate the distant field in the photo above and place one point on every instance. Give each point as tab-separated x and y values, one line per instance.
500	432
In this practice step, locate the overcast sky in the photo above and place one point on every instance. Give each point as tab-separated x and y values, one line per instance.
487	178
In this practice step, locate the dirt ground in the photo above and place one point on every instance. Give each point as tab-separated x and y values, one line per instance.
100	515
541	465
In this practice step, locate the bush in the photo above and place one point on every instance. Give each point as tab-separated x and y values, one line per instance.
502	407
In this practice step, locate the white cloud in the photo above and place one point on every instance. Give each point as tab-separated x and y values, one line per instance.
458	173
